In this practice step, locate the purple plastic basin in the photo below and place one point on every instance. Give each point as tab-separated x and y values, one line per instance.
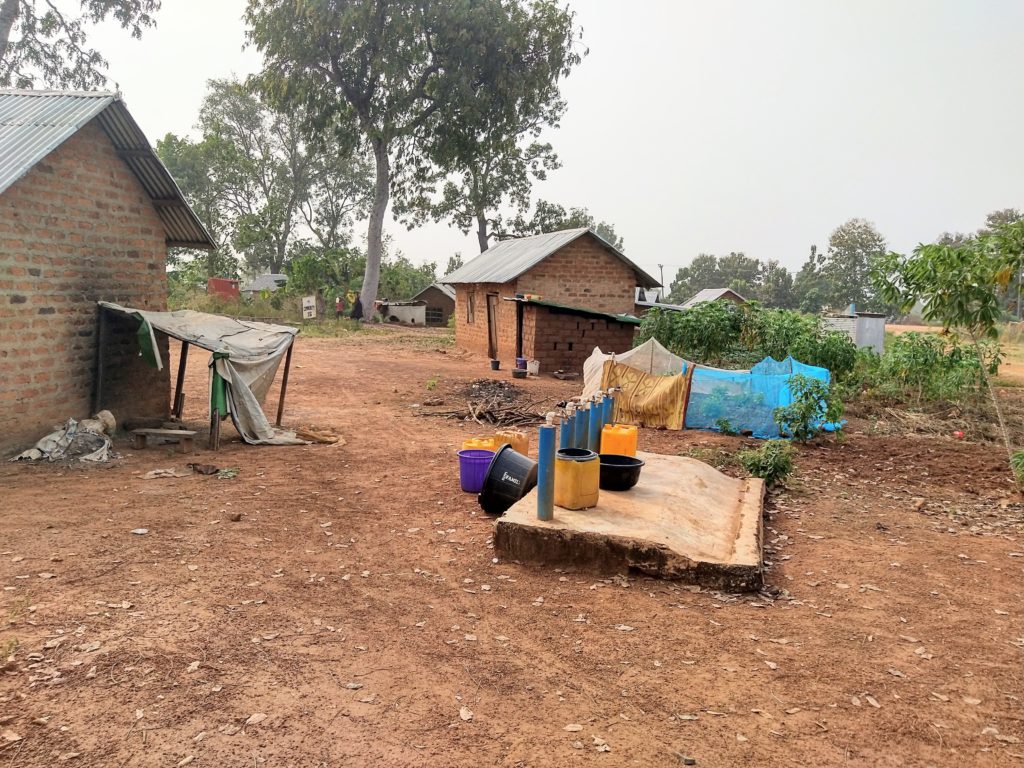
473	463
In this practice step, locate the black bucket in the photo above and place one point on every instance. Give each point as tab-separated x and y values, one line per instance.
619	473
509	477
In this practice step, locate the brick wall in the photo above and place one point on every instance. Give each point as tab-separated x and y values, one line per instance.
583	274
76	229
564	341
473	336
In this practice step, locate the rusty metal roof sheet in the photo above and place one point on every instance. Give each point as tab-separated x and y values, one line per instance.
511	258
34	123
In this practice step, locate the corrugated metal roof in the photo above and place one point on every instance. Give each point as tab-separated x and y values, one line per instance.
269	282
710	294
510	258
447	290
34	123
620	318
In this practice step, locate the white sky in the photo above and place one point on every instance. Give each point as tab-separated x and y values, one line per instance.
716	125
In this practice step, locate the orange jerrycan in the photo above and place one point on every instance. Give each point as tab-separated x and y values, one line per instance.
619	439
577	478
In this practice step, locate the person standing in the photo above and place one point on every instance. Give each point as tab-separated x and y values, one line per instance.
339	307
357	308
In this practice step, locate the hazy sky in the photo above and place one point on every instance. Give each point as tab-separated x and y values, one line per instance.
714	126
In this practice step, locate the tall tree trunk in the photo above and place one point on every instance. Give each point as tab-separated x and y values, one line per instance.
482	235
374	235
8	15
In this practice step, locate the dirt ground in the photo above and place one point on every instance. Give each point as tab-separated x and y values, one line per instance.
356	615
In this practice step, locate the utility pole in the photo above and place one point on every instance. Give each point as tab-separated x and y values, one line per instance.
661	269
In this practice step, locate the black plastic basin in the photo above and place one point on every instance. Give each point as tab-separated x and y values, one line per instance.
619	473
509	477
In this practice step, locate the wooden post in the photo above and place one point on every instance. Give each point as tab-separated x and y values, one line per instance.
179	396
215	430
101	338
284	382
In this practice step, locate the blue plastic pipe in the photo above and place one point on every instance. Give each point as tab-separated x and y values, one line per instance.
546	473
583	426
567	437
594	434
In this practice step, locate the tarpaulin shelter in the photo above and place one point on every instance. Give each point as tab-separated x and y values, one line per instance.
244	361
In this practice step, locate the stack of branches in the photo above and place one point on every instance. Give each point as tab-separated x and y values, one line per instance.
495	412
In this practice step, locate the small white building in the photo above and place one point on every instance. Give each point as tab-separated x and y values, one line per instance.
865	329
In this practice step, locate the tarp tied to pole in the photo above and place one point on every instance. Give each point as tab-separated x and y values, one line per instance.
246	356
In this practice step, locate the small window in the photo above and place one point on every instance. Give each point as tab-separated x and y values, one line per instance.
434	315
470	308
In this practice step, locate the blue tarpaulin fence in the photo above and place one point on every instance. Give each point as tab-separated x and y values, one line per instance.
746	399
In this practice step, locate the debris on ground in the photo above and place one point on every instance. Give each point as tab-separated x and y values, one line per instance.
493	402
85	440
153	474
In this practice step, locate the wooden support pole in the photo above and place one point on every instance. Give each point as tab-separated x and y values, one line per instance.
284	383
101	340
179	396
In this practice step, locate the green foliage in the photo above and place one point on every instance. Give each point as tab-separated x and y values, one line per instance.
919	367
1017	465
551	217
50	45
725	427
813	403
961	285
719	334
772	462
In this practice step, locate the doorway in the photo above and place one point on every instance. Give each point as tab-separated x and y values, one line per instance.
492	325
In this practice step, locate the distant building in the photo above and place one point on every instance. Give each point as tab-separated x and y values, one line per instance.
440	303
713	294
551	297
270	282
224	287
648	298
865	329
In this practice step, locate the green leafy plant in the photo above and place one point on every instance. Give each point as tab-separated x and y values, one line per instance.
772	462
725	427
432	382
1017	465
813	406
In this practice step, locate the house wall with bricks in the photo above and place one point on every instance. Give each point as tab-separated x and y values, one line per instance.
583	274
77	228
563	341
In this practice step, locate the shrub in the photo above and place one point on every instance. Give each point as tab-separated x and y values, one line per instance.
725	427
928	367
813	405
1017	465
772	462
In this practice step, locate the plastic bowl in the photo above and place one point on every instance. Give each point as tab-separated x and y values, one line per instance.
619	473
518	373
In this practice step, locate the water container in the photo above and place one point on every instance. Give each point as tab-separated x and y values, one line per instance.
508	478
521	363
480	444
533	367
619	439
519	440
473	466
577	478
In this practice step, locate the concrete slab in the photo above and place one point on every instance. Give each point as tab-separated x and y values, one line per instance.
684	520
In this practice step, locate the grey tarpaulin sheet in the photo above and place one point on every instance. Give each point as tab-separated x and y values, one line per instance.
248	356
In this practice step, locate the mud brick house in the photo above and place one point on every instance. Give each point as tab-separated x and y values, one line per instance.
551	297
87	212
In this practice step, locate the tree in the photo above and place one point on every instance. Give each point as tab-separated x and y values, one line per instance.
853	249
703	272
551	217
383	73
490	154
810	291
259	187
740	273
51	45
188	162
775	286
454	262
960	286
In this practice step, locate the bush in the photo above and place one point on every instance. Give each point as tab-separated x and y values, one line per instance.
1017	465
772	462
703	334
927	367
813	405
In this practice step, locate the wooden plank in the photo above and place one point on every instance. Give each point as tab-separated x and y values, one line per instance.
165	432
